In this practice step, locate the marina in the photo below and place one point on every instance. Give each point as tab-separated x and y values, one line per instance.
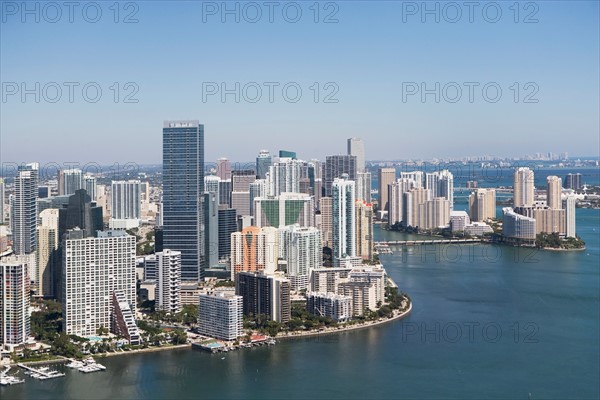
42	373
6	379
86	366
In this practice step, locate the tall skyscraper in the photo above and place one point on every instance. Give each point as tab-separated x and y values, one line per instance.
89	183
363	186
240	194
254	249
183	181
554	191
418	177
288	154
24	211
70	180
573	181
212	185
169	279
210	206
523	187
93	269
79	213
344	215
227	225
570	229
284	176
364	230
414	198
387	176
301	248
48	261
263	162
14	303
482	204
434	213
285	209
223	165
126	204
396	204
268	295
335	167
326	209
441	184
356	147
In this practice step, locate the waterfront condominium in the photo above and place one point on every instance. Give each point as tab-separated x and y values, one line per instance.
265	294
517	227
343	218
523	187
553	193
482	204
93	268
387	176
364	230
24	209
169	279
302	249
254	249
14	302
183	181
220	315
441	184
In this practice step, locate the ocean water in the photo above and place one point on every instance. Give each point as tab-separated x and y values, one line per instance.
487	322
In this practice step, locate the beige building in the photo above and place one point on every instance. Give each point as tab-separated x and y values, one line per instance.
523	187
387	176
364	230
434	213
412	200
47	253
482	204
553	193
326	208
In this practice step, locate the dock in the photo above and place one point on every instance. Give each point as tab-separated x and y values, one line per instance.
6	379
42	373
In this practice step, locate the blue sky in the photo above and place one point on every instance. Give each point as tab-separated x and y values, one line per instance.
374	51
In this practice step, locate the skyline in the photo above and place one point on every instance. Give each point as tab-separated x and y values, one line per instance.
368	55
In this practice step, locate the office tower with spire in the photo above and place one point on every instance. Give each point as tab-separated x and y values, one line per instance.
523	187
183	181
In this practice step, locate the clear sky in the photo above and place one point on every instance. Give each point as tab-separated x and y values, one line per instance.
375	58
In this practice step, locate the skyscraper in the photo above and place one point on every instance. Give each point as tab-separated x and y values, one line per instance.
223	164
264	294
169	279
48	261
301	248
285	209
396	206
227	225
363	186
482	204
70	180
183	181
344	228
356	147
126	204
573	181
441	184
414	198
523	188
210	207
326	209
14	302
554	192
570	230
254	249
386	177
263	162
2	201
284	176
335	167
24	211
89	183
364	230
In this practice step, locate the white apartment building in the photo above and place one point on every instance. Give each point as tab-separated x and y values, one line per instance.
220	315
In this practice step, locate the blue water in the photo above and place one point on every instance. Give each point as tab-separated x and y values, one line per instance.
534	319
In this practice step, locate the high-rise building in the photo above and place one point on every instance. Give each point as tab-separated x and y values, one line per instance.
570	220
441	184
523	187
126	204
79	213
413	199
547	219
183	181
516	226
267	295
554	191
225	193
223	167
366	287
573	181
330	305
220	315
169	279
69	181
285	209
48	261
240	194
288	154
263	162
301	248
364	230
254	249
387	176
24	211
212	185
123	319
343	220
14	302
92	269
356	147
363	186
326	227
434	213
210	249
227	226
258	188
418	177
284	176
335	167
89	183
482	204
396	192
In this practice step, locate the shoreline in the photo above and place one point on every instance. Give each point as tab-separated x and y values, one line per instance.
348	328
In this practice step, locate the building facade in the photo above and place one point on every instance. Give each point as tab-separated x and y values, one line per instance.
220	315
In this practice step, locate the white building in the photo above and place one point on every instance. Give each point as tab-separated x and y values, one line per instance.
516	226
356	147
334	306
459	220
482	204
570	209
343	218
220	315
2	201
93	268
24	209
69	181
285	209
396	203
523	187
441	184
363	186
169	279
284	176
126	201
301	248
14	303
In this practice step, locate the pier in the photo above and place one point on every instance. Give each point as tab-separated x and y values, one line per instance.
424	242
41	373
